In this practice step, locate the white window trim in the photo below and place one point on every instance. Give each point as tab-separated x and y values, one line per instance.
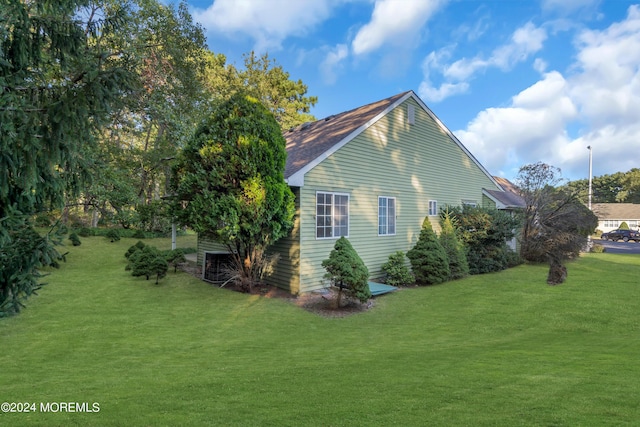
333	236
435	209
395	215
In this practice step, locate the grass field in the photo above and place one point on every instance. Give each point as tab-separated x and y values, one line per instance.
499	349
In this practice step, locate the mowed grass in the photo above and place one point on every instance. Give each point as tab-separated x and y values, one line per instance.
499	349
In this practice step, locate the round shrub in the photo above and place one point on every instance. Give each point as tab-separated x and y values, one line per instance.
113	235
397	272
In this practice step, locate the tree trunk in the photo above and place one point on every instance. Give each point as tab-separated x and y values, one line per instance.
557	272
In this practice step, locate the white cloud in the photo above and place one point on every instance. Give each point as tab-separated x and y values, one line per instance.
332	62
601	93
394	22
524	42
268	22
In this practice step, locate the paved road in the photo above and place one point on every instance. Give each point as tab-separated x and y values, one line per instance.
619	247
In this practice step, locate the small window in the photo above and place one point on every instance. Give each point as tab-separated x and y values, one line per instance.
332	215
433	207
411	114
471	203
386	216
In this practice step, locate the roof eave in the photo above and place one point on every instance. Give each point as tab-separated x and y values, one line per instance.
297	179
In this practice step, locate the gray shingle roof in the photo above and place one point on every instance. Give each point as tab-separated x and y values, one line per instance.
619	211
307	142
510	197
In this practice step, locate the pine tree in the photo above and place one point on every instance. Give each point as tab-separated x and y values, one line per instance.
428	258
453	246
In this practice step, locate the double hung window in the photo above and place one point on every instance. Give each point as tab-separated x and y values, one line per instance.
433	207
386	216
332	215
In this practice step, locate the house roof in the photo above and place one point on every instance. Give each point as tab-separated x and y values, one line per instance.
312	142
619	211
509	198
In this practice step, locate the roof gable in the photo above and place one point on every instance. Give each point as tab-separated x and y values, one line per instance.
311	143
510	198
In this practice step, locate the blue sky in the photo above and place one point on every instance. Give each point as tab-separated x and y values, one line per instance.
517	81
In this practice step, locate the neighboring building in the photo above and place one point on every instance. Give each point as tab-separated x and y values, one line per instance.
611	215
509	200
371	174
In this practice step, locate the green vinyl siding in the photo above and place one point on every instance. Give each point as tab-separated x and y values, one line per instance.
413	163
286	271
207	245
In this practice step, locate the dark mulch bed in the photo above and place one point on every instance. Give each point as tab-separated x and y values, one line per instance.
320	303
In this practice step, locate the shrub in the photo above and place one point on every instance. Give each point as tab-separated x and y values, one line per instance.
598	248
113	235
148	261
85	232
139	245
175	257
453	246
347	272
513	258
139	234
397	272
428	258
624	226
75	240
485	233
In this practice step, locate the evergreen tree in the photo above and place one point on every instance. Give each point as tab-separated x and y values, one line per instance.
58	85
453	246
428	258
229	183
347	272
175	257
148	261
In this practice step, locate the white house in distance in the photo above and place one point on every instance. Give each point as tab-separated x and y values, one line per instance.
611	215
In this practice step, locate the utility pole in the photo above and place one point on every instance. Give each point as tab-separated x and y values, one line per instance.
590	192
590	174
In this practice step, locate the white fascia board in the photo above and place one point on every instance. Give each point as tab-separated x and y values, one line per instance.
297	179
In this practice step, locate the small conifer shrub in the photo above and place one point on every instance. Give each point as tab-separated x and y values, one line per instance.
75	240
398	274
453	246
428	258
347	272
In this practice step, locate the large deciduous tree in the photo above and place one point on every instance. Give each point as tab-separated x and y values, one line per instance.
229	183
556	223
58	83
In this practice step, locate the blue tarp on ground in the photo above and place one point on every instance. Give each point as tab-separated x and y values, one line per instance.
379	288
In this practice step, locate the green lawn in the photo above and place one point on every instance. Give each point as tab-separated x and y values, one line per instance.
500	349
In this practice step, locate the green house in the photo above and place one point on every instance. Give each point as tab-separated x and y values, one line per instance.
371	174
